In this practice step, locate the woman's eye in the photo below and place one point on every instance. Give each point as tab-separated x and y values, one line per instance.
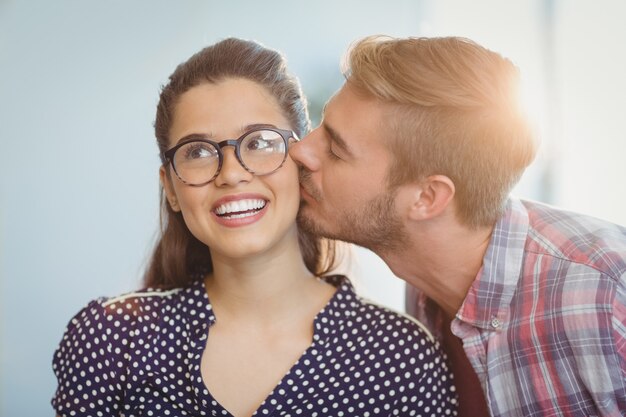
260	144
257	144
199	151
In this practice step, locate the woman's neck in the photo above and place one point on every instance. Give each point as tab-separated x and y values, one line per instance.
266	286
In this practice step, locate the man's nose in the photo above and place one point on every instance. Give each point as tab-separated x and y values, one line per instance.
307	152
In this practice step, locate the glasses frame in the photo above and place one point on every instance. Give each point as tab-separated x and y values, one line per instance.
168	155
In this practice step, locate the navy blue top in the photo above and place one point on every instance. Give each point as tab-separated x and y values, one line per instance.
139	355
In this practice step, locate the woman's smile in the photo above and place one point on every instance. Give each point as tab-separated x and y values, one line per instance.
240	210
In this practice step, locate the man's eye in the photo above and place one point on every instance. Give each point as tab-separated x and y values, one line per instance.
332	154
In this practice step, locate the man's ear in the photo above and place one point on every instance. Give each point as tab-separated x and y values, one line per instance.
430	197
166	183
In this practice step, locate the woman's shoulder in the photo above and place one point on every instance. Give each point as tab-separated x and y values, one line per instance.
395	322
111	319
124	308
376	319
99	342
401	349
144	302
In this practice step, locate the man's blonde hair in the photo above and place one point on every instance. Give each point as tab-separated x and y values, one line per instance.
454	111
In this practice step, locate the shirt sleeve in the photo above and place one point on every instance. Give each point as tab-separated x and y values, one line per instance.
90	363
619	332
596	336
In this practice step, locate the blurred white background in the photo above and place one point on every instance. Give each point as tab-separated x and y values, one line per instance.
79	81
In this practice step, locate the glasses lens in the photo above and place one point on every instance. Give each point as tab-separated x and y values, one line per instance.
263	151
196	162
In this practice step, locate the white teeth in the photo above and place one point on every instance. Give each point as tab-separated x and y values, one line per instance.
240	206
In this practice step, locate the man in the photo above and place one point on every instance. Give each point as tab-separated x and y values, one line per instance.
415	159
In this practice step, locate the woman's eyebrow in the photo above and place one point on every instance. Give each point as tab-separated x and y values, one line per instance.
194	136
210	136
257	126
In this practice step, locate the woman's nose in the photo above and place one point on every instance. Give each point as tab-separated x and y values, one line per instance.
232	172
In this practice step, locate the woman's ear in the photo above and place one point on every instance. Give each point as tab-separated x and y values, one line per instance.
166	183
430	197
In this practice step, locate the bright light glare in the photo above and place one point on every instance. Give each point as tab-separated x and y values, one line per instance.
532	102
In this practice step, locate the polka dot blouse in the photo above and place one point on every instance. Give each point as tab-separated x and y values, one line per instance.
139	355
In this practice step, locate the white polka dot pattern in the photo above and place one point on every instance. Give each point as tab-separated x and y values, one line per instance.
139	355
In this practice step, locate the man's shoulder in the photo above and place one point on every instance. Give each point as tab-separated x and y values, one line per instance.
576	238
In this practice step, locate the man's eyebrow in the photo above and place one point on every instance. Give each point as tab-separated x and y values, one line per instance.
336	138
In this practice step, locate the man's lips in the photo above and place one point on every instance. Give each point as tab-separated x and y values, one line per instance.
307	190
306	194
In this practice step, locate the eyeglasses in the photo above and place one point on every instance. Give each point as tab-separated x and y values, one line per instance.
197	162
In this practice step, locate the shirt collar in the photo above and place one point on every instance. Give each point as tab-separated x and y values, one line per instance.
332	319
488	300
328	322
197	309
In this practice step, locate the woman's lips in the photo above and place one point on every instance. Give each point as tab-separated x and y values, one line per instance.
239	210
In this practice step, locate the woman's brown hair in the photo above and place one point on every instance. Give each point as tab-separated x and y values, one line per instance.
178	255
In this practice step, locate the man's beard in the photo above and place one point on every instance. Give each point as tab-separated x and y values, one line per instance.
375	225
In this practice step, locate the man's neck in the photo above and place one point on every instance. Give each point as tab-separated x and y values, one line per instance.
441	260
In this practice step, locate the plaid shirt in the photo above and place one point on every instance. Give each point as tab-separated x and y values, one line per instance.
544	323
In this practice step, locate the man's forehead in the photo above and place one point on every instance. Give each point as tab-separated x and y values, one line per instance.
331	101
354	121
349	95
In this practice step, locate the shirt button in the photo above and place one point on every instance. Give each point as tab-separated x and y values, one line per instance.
495	323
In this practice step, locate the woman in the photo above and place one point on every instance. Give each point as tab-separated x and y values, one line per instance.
276	338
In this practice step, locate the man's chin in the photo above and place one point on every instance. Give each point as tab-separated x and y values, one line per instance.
311	222
306	220
374	228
